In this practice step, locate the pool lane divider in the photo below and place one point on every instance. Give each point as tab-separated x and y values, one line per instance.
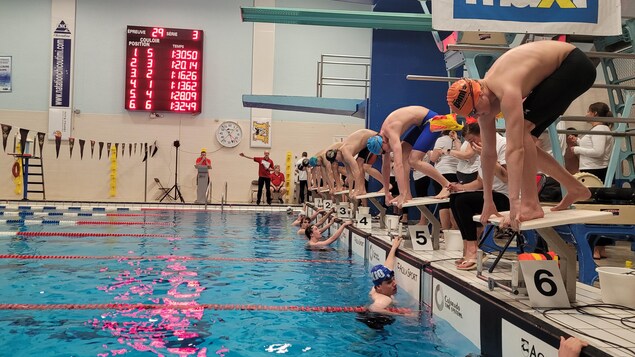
70	208
81	214
83	223
167	257
189	306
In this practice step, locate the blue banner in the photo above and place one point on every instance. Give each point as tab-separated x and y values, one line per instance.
61	78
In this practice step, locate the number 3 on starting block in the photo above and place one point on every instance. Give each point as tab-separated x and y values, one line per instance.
544	283
420	236
364	222
342	210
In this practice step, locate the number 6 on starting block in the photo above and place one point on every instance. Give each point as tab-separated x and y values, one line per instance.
544	283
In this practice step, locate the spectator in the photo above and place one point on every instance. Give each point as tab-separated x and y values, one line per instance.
301	170
446	164
277	183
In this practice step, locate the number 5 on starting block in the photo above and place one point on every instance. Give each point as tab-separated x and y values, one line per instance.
420	237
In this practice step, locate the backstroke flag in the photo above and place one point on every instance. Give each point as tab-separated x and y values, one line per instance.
565	17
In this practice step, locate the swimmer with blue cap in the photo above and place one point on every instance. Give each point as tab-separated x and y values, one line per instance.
384	284
409	133
358	160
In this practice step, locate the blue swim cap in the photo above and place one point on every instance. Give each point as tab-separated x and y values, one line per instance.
374	144
380	273
313	161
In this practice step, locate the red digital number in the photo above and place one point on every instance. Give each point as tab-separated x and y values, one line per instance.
132	104
195	35
133	93
148	104
150	52
158	32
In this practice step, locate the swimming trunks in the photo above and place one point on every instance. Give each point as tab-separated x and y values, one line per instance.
551	98
374	320
420	137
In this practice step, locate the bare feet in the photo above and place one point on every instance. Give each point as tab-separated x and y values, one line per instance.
529	213
445	193
575	194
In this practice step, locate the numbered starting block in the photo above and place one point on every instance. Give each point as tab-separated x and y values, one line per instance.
542	276
372	197
422	237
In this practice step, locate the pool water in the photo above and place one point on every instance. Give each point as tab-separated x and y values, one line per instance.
181	270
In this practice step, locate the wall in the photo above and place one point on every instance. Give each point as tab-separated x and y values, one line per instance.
98	94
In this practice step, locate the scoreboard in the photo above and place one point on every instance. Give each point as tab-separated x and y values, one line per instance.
164	69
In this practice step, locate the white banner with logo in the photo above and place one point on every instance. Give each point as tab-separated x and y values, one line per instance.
461	312
582	17
517	342
409	279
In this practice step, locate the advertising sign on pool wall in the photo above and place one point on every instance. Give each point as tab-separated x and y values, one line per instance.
517	342
358	245
462	313
376	255
409	279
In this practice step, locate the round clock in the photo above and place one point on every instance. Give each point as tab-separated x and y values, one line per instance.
229	134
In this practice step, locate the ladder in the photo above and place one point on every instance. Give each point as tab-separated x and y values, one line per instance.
34	181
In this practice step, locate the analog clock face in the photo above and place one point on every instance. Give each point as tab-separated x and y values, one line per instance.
229	134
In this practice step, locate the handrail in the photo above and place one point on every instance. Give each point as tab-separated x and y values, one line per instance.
602	119
341	81
592	54
584	132
416	77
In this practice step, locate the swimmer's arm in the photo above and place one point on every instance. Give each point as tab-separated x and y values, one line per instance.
511	105
327	226
324	218
390	260
385	172
380	305
488	154
337	233
314	216
463	155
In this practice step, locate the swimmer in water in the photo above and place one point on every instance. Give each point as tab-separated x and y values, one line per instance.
314	235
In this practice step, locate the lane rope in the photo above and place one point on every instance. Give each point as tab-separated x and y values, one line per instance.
83	223
189	306
169	257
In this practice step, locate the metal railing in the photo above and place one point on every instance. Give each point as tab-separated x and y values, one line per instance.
337	63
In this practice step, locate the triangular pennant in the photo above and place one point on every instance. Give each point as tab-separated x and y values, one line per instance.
135	148
101	148
71	144
40	141
130	149
92	148
145	156
81	148
108	148
116	148
23	135
58	142
6	129
123	148
154	151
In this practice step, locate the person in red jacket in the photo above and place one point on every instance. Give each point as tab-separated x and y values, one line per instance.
265	166
277	183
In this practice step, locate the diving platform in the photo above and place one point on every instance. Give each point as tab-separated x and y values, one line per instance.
338	106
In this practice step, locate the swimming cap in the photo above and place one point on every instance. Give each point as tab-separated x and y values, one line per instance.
374	144
204	150
313	161
463	96
380	273
330	155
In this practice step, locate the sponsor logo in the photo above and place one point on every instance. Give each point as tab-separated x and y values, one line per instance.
359	241
405	270
581	11
529	350
62	29
374	257
443	301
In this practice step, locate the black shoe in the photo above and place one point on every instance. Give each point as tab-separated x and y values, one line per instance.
257	203
281	201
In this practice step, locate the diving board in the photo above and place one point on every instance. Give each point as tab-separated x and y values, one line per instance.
421	203
372	197
545	227
337	106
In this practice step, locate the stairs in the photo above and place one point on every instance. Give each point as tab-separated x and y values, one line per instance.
34	179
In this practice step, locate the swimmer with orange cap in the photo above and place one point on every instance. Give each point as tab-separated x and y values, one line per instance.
532	84
420	128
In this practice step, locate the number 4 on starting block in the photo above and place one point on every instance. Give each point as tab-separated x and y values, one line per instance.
544	283
364	222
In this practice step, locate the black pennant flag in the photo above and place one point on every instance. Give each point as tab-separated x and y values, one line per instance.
123	149
23	134
145	156
101	148
92	148
116	148
71	144
40	141
130	149
58	142
108	149
6	129
135	148
154	151
81	148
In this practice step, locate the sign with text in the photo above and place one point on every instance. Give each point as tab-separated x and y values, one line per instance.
544	283
358	245
343	211
458	310
328	204
364	221
516	342
376	255
409	279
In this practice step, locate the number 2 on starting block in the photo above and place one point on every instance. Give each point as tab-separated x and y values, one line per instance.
421	238
328	204
364	222
544	283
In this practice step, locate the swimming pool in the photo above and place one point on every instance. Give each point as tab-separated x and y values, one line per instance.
194	284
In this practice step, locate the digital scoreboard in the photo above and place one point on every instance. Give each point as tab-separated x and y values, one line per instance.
164	69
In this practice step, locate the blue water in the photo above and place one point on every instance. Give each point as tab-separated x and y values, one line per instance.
260	241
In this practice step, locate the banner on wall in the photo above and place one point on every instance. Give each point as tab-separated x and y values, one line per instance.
260	136
5	73
582	17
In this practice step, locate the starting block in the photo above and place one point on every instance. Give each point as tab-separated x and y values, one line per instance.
372	197
421	203
340	196
545	227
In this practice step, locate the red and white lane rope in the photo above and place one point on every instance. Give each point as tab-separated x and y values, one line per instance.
167	257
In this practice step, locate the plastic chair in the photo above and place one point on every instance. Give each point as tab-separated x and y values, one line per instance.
253	190
162	189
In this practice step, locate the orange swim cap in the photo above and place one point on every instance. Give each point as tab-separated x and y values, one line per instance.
463	96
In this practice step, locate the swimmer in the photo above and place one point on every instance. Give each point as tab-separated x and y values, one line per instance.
384	285
307	221
532	84
415	123
314	234
330	169
302	215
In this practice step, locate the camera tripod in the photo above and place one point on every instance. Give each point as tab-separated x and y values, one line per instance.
175	187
